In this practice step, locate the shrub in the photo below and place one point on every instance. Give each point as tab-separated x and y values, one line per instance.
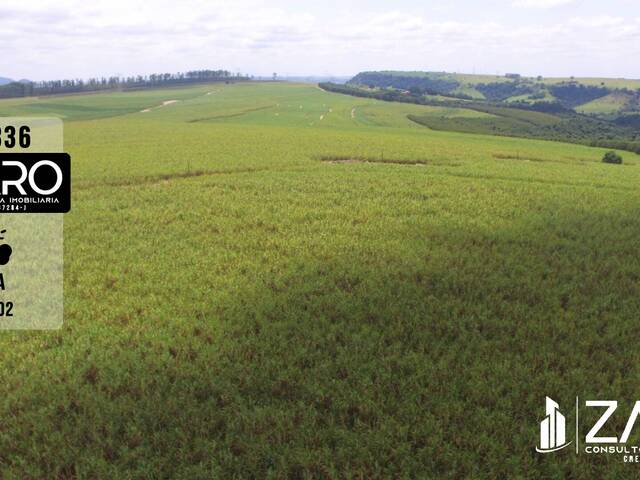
612	157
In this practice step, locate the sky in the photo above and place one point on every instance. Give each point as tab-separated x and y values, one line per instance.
80	39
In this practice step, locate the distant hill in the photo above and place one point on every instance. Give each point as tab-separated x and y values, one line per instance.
315	79
472	79
598	96
540	119
4	80
306	78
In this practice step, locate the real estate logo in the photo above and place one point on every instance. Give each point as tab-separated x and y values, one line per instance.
553	435
35	183
552	429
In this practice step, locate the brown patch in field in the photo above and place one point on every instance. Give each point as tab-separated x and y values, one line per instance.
346	160
510	156
526	158
336	159
164	179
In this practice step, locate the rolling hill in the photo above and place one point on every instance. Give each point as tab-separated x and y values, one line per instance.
622	95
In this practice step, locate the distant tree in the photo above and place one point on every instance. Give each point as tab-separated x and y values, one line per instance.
612	157
26	88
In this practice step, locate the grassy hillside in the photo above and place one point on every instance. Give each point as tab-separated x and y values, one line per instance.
612	104
593	96
274	281
614	83
472	79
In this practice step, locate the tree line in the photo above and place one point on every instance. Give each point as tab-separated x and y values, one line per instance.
52	87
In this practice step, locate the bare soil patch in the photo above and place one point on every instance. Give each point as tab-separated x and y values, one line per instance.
337	159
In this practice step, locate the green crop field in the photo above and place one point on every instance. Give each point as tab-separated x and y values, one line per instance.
267	280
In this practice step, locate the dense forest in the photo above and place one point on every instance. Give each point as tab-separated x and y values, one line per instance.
573	94
500	91
568	94
27	89
431	86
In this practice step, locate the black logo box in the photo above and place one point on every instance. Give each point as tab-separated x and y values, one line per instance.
36	195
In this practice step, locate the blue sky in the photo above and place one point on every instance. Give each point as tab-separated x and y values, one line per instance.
77	38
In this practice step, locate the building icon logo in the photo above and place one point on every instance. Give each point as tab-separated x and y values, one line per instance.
552	429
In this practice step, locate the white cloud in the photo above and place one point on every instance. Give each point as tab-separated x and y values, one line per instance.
596	21
541	3
81	39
